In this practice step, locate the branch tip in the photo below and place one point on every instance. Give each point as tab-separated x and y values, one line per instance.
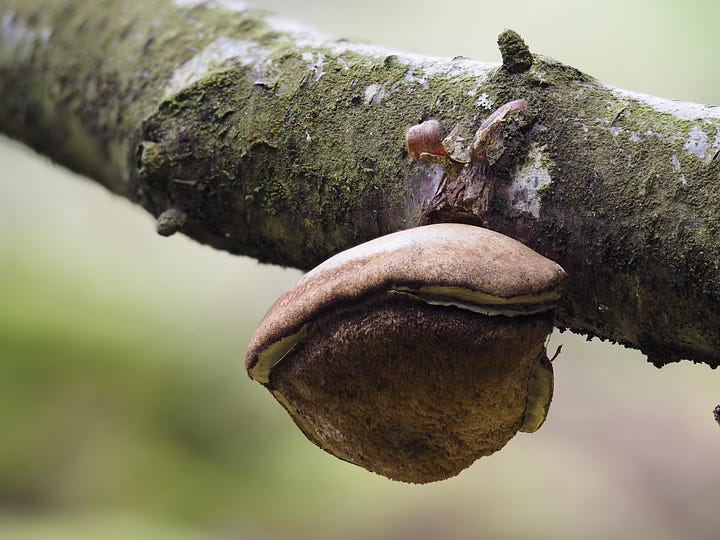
170	221
516	55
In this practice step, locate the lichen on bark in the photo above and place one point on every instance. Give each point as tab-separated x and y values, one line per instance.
288	146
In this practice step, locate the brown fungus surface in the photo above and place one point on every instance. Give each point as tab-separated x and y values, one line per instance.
410	391
414	354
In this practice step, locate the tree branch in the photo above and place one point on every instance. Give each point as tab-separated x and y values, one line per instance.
249	134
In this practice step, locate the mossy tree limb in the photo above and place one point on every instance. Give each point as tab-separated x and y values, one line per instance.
249	134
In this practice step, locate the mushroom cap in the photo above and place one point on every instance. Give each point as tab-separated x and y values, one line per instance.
414	354
445	264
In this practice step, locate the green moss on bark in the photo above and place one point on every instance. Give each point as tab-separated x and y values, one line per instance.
289	148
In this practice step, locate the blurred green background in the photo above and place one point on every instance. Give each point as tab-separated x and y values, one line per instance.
125	411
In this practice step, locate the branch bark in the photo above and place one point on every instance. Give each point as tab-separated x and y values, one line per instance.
250	134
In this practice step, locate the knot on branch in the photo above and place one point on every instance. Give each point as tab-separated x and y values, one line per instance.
464	192
516	55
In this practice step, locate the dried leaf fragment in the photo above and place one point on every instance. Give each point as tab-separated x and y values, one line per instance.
425	139
486	133
424	143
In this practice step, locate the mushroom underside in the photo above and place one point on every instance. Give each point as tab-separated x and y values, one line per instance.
412	391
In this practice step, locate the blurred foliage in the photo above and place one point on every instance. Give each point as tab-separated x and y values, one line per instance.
110	403
125	411
105	406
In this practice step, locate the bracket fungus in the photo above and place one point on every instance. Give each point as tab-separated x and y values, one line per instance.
416	353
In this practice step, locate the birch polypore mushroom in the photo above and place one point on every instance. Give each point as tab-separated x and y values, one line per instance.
414	354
